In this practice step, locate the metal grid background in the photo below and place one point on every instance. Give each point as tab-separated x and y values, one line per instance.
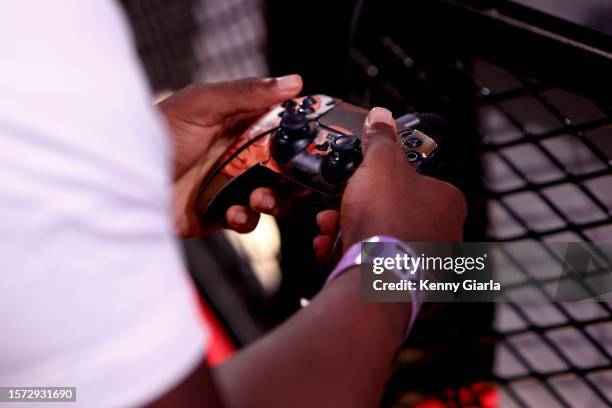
534	159
549	177
181	41
546	155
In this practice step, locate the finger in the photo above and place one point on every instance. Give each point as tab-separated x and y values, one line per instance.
379	128
265	200
322	246
250	94
380	143
299	191
240	122
206	104
241	219
328	221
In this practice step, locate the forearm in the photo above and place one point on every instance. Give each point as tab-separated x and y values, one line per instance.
336	352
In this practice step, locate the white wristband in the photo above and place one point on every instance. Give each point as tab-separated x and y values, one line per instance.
352	257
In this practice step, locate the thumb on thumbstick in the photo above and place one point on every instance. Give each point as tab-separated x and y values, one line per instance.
379	127
379	138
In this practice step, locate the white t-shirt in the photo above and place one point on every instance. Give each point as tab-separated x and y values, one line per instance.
93	290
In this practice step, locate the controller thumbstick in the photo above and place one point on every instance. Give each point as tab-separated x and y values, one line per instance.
293	136
342	161
294	124
345	144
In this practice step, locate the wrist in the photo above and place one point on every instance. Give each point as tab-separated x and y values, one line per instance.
390	247
394	316
363	232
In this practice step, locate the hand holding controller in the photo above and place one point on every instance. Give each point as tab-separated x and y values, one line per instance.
307	142
412	208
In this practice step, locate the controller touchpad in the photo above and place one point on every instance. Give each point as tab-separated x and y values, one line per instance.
345	117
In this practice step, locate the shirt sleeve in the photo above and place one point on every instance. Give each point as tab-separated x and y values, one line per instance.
94	293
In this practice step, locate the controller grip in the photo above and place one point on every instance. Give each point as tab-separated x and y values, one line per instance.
237	192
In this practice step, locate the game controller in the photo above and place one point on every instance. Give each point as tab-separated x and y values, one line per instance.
311	143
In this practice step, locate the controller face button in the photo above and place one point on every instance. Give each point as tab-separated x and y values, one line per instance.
413	156
322	146
305	110
289	103
413	142
345	143
307	101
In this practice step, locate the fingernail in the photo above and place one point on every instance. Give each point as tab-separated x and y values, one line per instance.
318	218
288	82
240	218
380	115
268	202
